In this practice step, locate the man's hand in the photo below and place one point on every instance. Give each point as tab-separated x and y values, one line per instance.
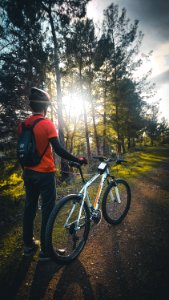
83	161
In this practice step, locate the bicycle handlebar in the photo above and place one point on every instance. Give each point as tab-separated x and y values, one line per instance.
119	161
100	158
107	160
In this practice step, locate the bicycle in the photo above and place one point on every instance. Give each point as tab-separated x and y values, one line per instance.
69	223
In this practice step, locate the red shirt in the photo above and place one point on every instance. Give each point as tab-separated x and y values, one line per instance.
43	131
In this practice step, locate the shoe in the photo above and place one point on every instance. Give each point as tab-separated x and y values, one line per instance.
43	256
29	251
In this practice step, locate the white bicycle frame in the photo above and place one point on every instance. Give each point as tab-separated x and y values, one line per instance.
85	196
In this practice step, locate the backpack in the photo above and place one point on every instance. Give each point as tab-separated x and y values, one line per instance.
27	152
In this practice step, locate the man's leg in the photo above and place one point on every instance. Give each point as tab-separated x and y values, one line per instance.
48	193
31	202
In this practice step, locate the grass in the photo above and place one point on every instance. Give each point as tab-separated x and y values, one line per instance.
141	162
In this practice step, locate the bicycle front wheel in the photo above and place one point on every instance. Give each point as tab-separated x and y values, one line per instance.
65	237
116	201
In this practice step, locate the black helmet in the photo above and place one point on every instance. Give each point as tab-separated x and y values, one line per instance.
39	96
39	100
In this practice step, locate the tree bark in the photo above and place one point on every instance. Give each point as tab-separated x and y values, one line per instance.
94	122
64	164
85	114
117	115
105	150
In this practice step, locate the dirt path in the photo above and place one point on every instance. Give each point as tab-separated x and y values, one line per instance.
128	261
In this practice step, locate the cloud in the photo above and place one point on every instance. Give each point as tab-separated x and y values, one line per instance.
162	78
153	15
160	59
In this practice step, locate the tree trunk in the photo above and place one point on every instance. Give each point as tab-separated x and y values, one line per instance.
95	128
94	122
105	150
117	116
129	143
85	114
86	131
133	142
72	137
64	164
123	146
104	127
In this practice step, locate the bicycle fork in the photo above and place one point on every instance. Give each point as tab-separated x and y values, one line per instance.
76	222
117	195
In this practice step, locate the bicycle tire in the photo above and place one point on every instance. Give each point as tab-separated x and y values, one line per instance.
58	237
114	212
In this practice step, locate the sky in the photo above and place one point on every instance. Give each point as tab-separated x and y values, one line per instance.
153	16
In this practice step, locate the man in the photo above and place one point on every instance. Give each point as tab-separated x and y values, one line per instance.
40	179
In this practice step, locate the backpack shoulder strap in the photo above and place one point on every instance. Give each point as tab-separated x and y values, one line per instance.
36	121
32	126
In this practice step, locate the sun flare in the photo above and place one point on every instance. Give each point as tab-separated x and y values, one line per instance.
73	105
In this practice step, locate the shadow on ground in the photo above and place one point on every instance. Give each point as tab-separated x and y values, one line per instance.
75	279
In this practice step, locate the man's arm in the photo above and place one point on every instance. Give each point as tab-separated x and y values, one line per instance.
59	150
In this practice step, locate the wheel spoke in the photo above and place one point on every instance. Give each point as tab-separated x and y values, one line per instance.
116	202
63	233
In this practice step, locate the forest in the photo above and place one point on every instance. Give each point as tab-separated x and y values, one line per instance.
100	100
102	103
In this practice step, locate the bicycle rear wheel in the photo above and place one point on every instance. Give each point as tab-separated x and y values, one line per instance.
113	211
64	240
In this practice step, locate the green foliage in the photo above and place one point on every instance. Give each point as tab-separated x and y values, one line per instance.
22	64
51	46
11	183
155	130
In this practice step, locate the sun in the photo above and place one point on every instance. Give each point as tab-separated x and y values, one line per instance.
73	105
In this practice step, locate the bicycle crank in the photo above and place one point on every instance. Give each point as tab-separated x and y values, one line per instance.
96	216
